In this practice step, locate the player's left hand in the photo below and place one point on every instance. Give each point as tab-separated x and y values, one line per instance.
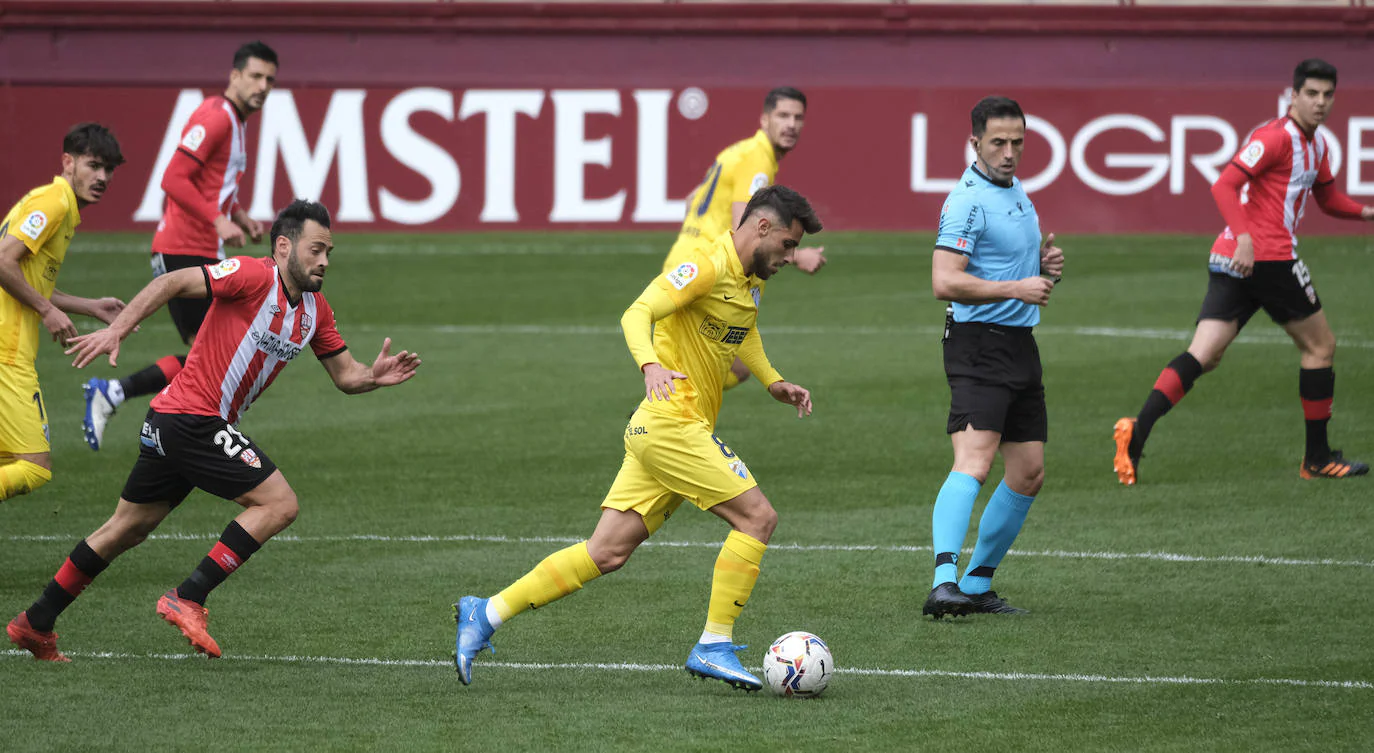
254	230
809	259
1051	259
792	394
106	309
87	348
389	370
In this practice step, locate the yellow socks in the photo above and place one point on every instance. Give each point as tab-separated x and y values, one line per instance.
21	477
560	574
737	569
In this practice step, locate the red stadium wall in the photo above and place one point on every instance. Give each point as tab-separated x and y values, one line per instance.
447	117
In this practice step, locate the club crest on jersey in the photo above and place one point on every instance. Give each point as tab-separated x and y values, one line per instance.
683	275
224	269
755	293
33	224
739	469
250	458
306	322
1251	156
194	137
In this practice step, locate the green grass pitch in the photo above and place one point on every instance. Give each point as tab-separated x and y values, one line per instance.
1222	604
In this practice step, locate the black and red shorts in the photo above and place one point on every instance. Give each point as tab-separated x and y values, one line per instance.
180	452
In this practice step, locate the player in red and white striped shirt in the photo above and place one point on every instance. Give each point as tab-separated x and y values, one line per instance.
1262	195
201	217
264	313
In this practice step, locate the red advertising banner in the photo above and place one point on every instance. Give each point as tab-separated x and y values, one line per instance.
1098	159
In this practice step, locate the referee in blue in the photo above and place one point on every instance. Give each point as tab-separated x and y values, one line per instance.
990	265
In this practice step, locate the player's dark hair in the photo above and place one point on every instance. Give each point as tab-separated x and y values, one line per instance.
1313	68
990	108
254	49
770	102
95	140
787	204
291	220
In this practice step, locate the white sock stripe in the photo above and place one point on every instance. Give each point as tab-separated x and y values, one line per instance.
1151	556
637	667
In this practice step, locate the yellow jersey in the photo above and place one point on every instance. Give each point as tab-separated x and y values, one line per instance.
45	221
739	171
701	314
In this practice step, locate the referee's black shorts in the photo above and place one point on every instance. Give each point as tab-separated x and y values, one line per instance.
187	313
995	381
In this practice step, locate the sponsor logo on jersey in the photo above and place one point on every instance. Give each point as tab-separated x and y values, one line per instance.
273	345
33	224
760	181
713	328
1252	154
756	293
224	269
194	137
250	458
683	275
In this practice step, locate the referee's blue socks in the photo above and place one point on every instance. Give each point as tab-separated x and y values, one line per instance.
949	523
1001	522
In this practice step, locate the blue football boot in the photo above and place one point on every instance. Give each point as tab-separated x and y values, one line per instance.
99	408
474	634
718	661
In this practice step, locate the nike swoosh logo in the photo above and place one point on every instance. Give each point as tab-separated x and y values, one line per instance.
728	297
738	604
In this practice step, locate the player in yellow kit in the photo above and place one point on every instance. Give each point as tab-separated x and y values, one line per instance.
33	243
684	331
738	173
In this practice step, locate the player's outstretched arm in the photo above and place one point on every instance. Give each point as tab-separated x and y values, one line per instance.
104	309
792	394
354	377
183	283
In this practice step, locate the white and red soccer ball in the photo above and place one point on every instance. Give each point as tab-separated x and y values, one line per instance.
798	665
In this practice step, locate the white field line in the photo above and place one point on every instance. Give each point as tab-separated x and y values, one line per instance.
1250	559
637	667
572	330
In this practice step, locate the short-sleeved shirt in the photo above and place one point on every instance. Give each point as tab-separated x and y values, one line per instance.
214	139
717	308
44	221
1283	163
996	227
251	332
738	173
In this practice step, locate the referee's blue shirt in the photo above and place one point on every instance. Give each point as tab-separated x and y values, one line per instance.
996	227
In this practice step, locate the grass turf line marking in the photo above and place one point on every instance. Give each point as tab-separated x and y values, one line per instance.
898	548
637	667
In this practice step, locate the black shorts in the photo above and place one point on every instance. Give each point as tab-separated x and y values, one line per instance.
180	452
187	313
995	381
1282	288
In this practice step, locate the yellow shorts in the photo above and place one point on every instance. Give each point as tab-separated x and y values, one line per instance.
23	416
669	459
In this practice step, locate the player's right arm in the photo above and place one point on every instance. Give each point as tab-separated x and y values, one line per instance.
962	223
675	289
193	282
37	220
201	139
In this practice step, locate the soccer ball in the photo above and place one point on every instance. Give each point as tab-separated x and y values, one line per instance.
798	665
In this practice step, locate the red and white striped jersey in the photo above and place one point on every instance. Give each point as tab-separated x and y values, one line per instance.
1283	164
212	156
250	333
